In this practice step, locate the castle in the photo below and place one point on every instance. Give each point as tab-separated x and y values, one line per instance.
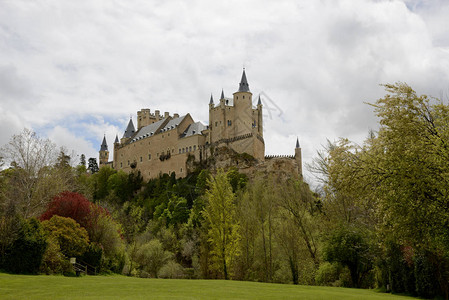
165	144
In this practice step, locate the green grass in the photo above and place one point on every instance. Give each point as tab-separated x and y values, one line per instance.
121	287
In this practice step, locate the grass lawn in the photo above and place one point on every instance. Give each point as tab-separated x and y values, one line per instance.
121	287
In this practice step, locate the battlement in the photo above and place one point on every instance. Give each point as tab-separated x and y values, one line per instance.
145	117
279	156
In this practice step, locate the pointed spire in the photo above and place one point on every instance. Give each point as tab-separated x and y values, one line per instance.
130	129
259	102
244	86
222	94
104	145
297	143
116	139
211	99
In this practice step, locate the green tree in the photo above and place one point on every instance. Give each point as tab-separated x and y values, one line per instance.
223	228
24	254
82	160
152	257
397	180
350	247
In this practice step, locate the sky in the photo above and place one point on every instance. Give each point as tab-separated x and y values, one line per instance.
74	71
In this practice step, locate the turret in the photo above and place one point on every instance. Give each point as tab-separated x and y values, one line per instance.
243	108
116	146
259	124
104	153
211	102
222	99
298	156
129	132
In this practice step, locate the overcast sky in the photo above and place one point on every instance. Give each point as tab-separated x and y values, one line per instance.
76	70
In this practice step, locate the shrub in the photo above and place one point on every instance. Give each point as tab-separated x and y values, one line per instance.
171	270
152	257
71	237
53	261
327	274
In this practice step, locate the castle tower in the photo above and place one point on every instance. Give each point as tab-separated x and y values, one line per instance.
104	153
116	146
130	130
243	108
259	125
298	157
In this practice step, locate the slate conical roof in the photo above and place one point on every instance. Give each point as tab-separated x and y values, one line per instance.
104	145
297	143
222	94
211	99
259	102
130	129
116	139
244	86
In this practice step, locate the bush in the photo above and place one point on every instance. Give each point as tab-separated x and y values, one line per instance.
152	257
25	254
171	270
327	274
53	261
71	237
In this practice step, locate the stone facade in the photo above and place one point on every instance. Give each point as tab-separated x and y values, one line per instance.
165	143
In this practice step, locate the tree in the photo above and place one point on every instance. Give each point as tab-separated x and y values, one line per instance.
24	254
31	180
223	228
300	204
83	160
152	257
69	205
349	247
398	179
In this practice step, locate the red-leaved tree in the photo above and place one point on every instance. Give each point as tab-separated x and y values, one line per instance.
70	205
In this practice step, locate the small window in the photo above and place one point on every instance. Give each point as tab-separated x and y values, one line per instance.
121	165
168	134
243	97
141	159
157	154
229	122
128	162
181	170
190	149
149	156
216	124
179	150
194	147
